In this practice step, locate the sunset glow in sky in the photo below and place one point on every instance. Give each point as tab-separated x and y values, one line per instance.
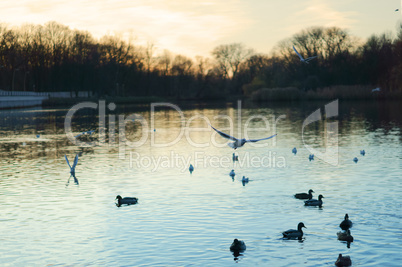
195	28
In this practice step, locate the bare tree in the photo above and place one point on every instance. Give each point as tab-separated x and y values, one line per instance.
229	57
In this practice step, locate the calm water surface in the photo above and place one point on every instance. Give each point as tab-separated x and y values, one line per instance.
191	220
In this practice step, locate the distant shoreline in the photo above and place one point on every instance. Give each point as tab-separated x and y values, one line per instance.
289	94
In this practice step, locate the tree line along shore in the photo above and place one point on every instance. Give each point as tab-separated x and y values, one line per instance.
52	57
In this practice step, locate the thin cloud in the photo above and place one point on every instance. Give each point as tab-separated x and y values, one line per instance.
317	12
180	26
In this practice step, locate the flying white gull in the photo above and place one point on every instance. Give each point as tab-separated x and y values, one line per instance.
238	142
303	59
72	169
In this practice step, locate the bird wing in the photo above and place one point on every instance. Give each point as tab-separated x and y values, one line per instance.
224	135
256	140
298	53
75	162
65	156
78	135
310	58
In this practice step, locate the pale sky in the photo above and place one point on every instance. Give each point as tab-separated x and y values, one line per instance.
195	27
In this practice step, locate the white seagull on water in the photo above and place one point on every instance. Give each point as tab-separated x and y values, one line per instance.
303	59
238	142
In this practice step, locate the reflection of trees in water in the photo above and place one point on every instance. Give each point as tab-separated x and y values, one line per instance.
355	119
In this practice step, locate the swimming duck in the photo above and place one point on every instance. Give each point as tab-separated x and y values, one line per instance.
126	200
343	261
305	195
314	202
232	173
346	223
311	157
238	245
362	152
235	158
345	236
355	160
191	168
291	233
294	151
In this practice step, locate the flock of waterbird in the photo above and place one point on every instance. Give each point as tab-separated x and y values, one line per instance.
239	246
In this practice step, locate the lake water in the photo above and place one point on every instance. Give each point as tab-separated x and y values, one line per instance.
185	219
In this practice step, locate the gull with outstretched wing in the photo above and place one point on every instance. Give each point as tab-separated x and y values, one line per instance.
238	142
72	169
305	60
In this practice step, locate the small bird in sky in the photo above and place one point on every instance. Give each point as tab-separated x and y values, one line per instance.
238	142
304	60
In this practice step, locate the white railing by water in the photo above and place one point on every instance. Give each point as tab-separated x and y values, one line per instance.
22	93
46	94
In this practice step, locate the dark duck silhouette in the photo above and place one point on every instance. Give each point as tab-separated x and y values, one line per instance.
343	261
291	233
345	236
126	200
314	202
305	195
238	246
346	223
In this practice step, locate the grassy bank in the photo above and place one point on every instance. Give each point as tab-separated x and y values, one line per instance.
335	92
